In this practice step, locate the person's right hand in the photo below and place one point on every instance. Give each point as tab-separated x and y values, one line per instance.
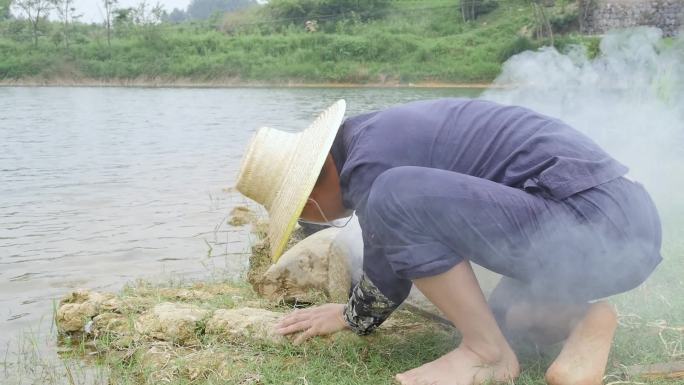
315	321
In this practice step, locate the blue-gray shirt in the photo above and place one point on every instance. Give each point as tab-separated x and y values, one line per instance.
510	145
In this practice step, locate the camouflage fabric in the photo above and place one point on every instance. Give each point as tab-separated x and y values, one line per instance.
367	308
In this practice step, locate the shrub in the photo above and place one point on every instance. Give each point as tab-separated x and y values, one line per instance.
299	11
520	44
565	21
472	9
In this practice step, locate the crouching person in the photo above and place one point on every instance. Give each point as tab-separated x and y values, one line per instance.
440	184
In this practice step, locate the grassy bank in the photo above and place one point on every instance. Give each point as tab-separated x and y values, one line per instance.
651	331
164	82
413	42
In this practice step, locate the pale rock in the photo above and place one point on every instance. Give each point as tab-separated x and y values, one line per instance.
78	308
158	363
215	289
164	363
173	322
186	294
241	216
73	317
245	324
110	323
205	363
307	270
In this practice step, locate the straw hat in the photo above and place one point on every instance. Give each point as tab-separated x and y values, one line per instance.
279	171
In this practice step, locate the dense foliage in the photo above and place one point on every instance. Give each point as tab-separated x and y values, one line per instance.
299	11
4	9
406	41
204	9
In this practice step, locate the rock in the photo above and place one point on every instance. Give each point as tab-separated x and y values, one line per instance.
245	324
308	270
111	304
186	294
164	363
158	363
348	245
216	288
109	323
198	292
73	317
79	307
173	322
205	363
241	216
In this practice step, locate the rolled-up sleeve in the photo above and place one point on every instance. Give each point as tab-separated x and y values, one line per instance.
378	293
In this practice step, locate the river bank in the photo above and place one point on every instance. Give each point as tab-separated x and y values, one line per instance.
226	83
429	46
217	332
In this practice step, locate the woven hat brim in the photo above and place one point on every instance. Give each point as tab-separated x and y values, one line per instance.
312	149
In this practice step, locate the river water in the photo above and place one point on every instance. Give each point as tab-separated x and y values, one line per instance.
103	186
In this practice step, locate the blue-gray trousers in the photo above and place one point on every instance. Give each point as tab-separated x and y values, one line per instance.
593	244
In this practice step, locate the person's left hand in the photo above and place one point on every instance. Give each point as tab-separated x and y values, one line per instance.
315	321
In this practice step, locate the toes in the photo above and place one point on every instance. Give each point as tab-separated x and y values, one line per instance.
401	378
406	378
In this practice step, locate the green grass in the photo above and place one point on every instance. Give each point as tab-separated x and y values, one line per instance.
650	331
651	321
341	359
348	359
652	327
416	41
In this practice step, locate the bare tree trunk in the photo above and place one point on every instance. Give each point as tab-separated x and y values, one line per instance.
543	28
66	35
547	22
109	31
108	21
65	18
33	10
35	33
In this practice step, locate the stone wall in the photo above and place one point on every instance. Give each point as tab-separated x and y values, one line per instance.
600	16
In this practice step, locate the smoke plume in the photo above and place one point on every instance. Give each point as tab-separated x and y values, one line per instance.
629	99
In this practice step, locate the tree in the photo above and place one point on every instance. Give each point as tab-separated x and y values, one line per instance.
67	15
147	14
109	8
300	11
543	24
123	17
203	9
5	9
35	12
177	16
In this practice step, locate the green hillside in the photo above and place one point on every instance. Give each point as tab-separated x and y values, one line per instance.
403	41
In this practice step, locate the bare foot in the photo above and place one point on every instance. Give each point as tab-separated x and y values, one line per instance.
544	324
585	354
462	367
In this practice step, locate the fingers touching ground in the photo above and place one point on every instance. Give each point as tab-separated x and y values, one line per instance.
320	320
294	322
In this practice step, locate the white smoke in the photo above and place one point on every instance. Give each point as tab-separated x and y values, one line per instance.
630	99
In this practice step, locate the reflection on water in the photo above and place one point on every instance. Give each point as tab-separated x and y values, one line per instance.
101	186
